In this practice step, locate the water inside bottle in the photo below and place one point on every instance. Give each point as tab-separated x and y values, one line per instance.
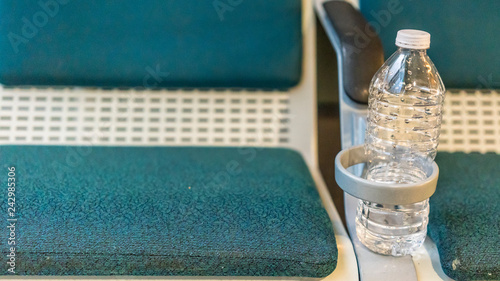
401	139
411	119
395	230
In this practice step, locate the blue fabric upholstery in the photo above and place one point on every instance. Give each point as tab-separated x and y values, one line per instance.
464	215
166	211
464	35
151	43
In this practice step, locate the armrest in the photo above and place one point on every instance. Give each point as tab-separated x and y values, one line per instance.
358	46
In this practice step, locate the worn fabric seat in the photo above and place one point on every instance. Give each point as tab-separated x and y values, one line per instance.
464	214
191	211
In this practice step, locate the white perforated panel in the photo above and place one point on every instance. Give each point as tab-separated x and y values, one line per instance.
471	121
130	117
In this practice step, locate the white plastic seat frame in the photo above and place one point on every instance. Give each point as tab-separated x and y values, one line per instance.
462	130
84	116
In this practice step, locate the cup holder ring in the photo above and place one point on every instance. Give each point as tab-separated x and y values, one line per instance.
396	194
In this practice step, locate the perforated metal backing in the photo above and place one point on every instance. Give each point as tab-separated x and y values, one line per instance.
471	121
131	117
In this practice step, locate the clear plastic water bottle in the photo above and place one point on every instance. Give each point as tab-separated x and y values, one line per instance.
404	121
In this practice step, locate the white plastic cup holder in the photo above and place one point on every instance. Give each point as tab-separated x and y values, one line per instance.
396	194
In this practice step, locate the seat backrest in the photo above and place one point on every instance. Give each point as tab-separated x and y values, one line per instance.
464	43
151	43
282	116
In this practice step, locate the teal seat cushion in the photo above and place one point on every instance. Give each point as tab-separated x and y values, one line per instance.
464	35
464	215
151	43
163	211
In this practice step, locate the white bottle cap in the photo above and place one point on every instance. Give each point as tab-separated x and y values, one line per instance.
413	39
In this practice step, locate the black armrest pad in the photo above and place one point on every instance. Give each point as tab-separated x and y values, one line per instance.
362	52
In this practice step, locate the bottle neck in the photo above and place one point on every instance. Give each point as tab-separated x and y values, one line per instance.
413	51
